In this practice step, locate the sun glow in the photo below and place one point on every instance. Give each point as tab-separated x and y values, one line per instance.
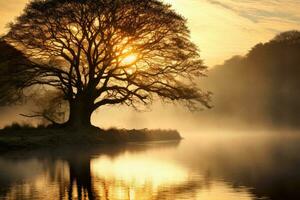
130	59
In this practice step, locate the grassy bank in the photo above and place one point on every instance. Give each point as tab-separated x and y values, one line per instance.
17	137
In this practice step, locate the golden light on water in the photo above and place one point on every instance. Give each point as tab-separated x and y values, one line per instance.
139	170
135	177
140	177
155	174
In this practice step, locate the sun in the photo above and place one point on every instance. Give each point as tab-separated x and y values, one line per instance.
130	59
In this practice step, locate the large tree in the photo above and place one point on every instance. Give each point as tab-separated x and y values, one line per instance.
106	52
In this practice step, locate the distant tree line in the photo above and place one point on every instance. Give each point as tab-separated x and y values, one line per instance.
263	85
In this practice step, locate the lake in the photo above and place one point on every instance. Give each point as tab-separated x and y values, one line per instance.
240	166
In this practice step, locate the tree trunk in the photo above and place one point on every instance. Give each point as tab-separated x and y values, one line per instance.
80	114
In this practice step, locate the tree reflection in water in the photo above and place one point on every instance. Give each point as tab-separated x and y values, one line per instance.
80	173
132	172
113	178
68	173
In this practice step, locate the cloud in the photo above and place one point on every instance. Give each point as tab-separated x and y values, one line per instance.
223	28
257	11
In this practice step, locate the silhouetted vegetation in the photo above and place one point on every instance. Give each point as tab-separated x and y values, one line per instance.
262	86
25	136
97	53
13	64
17	126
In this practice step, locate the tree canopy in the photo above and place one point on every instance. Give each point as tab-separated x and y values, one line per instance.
106	52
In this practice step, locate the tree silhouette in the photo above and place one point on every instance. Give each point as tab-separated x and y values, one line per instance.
108	52
12	76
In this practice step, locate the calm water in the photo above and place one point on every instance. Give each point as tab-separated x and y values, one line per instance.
241	166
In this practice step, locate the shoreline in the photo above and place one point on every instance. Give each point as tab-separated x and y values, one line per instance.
35	138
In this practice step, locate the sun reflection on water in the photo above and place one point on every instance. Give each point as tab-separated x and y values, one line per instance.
139	177
136	177
139	170
153	174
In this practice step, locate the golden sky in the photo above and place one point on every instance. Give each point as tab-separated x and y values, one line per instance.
221	28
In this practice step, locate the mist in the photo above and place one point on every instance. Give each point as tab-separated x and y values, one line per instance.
257	91
261	88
